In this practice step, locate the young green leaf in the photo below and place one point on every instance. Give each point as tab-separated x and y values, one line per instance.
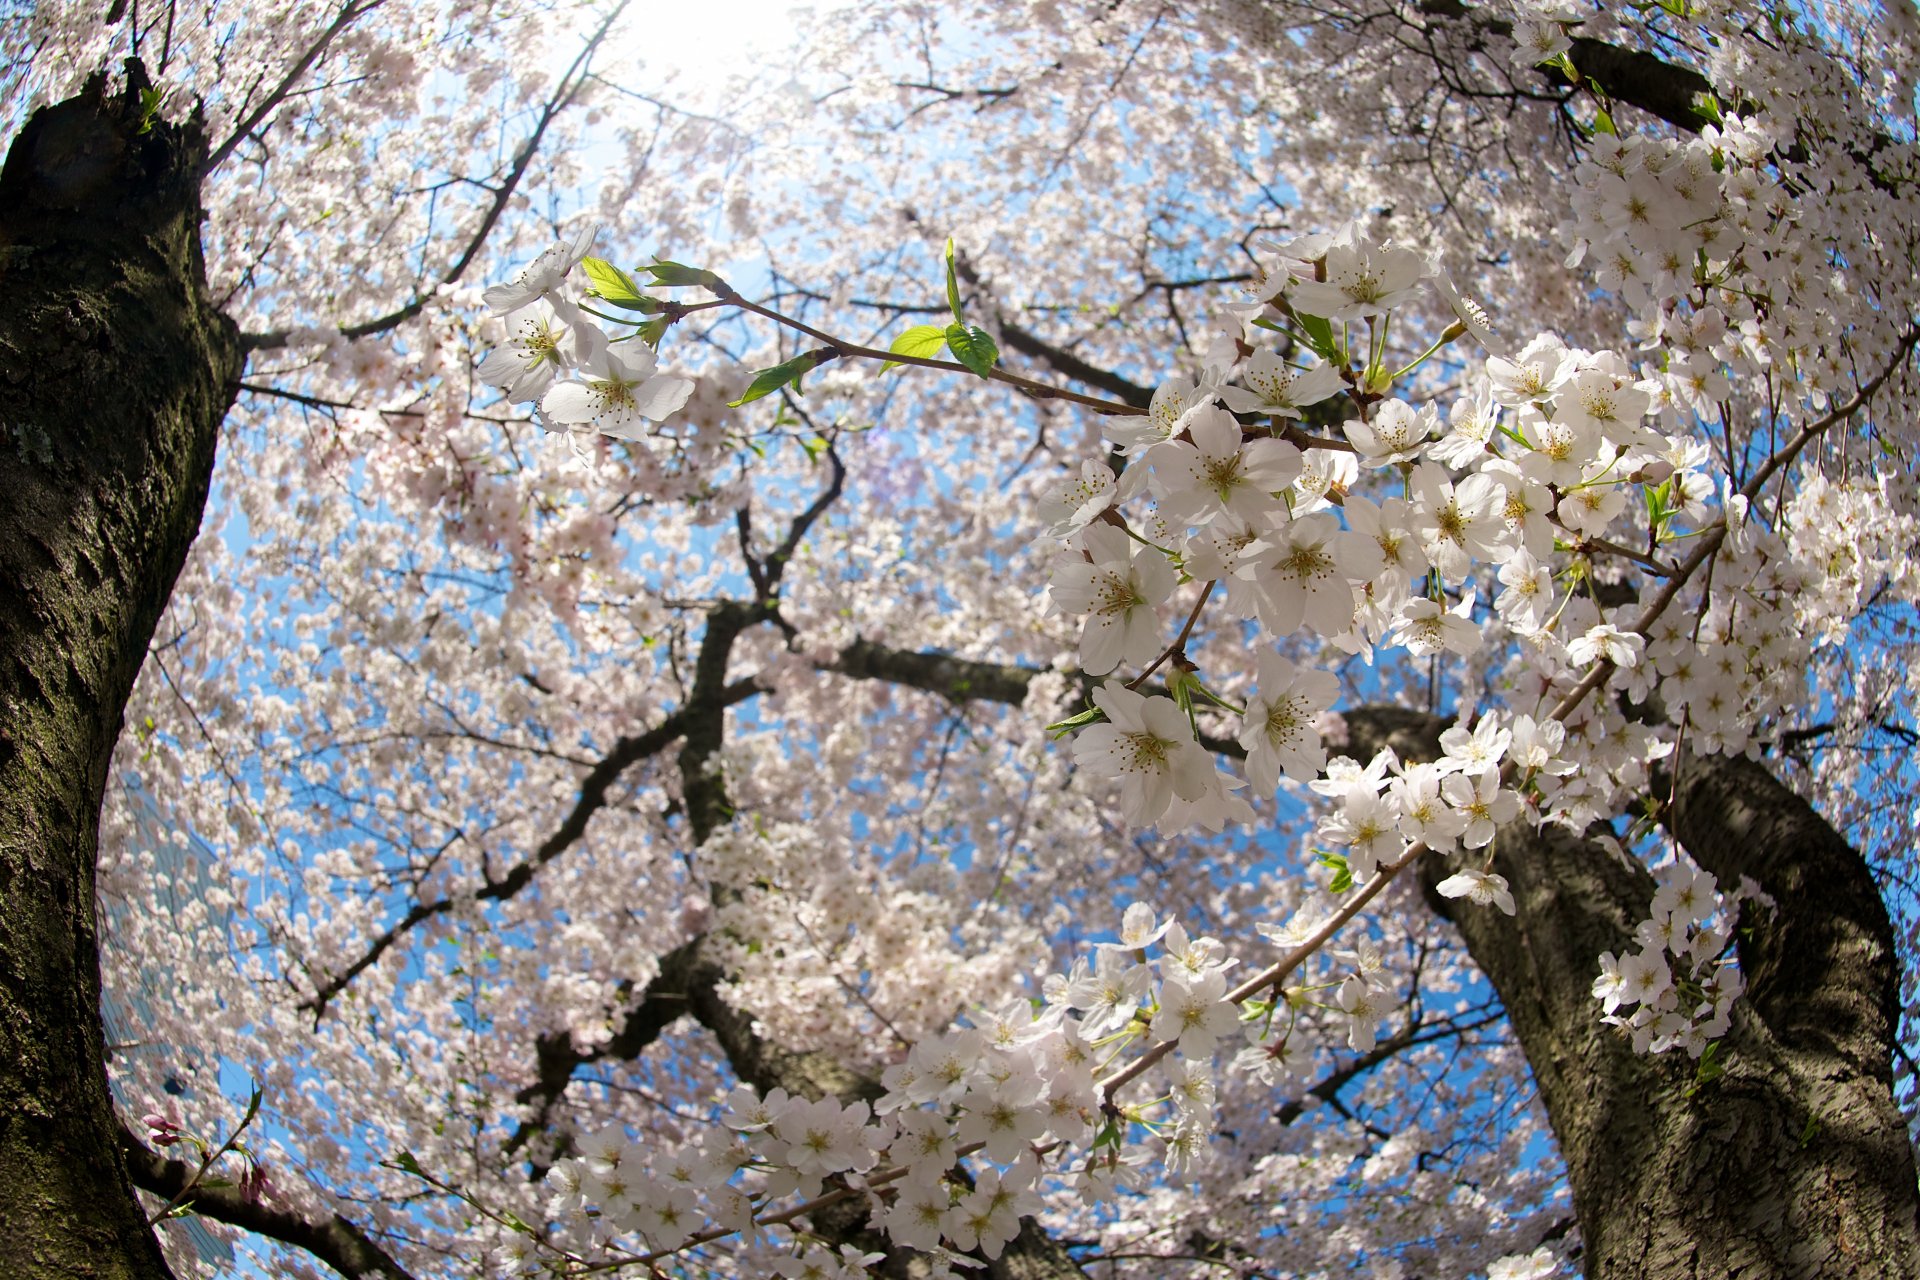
973	347
1061	728
149	108
953	286
611	284
676	273
923	341
1318	332
768	381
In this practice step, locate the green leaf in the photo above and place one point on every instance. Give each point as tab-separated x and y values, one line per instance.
677	273
953	286
973	347
405	1162
149	109
611	284
1318	332
652	331
1342	873
1710	1068
923	342
1602	122
1061	728
512	1219
768	381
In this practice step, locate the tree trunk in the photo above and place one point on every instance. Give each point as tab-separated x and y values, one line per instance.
115	370
1795	1162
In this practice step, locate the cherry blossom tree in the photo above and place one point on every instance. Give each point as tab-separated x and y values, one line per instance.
1108	639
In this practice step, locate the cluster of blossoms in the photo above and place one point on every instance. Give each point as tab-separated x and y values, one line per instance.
555	356
1420	528
1542	456
1683	978
1455	802
972	1120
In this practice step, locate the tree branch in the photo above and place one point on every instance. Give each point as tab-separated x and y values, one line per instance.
562	98
335	1241
591	798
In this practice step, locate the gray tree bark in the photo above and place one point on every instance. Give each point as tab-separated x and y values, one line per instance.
115	370
1793	1164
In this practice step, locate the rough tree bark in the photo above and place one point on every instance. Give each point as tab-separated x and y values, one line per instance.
115	370
1794	1163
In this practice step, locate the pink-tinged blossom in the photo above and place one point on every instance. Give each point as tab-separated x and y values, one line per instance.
1148	745
1644	976
1528	598
1457	523
1117	583
1606	641
988	1217
1276	388
1070	502
824	1137
1369	829
1485	804
1525	507
1195	1013
1534	375
1609	988
1325	474
1188	957
1687	893
1364	1008
1005	1118
1537	42
1397	432
1279	732
542	276
1138	929
1424	814
1588	509
1378	541
918	1214
1482	888
546	338
1427	627
1470	425
1473	750
1538	1265
1301	576
1361	278
617	393
1599	401
1166	417
1276	1060
1219	475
